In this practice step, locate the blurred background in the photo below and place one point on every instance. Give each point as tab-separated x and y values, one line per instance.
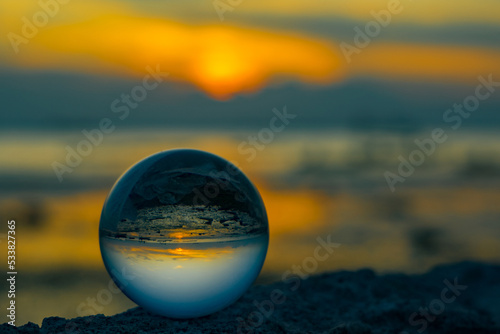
361	95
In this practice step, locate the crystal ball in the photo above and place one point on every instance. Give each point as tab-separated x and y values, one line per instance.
183	233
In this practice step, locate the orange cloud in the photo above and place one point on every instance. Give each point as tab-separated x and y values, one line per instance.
424	62
221	60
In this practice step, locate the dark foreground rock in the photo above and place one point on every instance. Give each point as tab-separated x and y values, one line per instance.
458	298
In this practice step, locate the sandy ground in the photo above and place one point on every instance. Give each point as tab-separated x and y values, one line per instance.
456	298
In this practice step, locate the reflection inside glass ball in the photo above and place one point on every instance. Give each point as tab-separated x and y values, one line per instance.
183	233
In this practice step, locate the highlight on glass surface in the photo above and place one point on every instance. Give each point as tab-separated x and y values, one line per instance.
183	233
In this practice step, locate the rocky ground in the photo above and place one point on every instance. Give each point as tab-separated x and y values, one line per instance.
457	298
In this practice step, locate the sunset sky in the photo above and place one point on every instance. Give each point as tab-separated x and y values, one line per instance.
364	78
257	43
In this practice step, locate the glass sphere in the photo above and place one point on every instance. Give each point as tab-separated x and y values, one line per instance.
183	233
